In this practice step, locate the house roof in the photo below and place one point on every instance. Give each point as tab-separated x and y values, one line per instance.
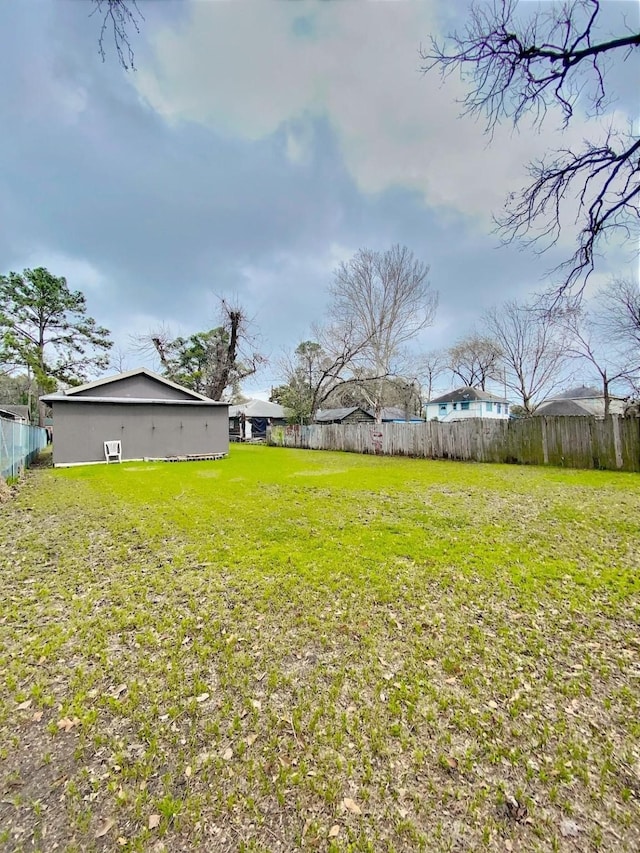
562	407
137	371
15	409
462	395
77	393
9	415
392	413
582	392
257	409
328	415
578	393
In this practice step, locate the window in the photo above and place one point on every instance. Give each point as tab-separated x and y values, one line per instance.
455	406
464	406
443	408
498	408
489	407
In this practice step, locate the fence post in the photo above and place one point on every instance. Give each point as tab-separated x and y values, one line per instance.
617	448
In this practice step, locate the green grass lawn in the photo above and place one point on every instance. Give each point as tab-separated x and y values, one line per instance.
292	650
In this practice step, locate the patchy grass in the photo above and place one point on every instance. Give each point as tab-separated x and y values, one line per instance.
293	650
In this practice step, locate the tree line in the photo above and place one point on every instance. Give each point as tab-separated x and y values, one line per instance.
363	353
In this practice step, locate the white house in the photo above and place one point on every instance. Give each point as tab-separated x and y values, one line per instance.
467	403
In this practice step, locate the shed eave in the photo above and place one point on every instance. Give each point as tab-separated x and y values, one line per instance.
136	401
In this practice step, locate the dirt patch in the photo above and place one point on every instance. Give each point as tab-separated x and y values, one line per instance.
5	491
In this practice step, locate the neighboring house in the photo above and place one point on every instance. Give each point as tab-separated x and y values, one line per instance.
14	412
251	419
152	417
395	415
465	403
583	400
348	415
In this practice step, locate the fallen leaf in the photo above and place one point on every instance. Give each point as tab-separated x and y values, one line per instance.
24	705
569	828
251	739
187	772
351	805
122	841
508	845
37	716
451	762
493	705
106	826
451	680
402	812
227	754
115	694
257	704
154	821
202	697
334	831
67	723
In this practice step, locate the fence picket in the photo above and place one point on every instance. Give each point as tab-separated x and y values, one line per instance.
572	442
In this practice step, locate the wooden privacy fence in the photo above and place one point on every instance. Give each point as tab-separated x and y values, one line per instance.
572	442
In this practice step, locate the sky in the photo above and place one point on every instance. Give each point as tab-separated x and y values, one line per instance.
255	147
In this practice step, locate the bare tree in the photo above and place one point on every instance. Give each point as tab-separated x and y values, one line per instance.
320	368
214	362
119	358
620	316
430	367
589	343
521	68
387	298
533	350
118	18
475	360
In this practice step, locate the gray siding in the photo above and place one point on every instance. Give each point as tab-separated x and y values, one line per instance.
146	430
142	387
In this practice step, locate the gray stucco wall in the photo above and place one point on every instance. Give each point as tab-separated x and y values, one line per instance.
137	386
145	429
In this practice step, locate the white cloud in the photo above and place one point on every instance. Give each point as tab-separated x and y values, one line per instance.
240	68
80	274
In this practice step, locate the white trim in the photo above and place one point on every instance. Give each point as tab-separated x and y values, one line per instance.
135	401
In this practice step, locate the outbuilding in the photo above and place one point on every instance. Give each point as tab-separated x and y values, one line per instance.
249	420
151	417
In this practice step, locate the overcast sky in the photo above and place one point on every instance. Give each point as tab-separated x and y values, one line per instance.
256	146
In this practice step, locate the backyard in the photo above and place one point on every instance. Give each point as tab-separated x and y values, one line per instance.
290	649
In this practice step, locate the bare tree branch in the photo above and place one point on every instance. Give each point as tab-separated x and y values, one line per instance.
533	350
522	68
474	360
118	18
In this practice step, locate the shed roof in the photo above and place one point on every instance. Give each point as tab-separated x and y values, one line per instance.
257	409
78	393
393	413
137	371
461	395
134	401
329	415
16	410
